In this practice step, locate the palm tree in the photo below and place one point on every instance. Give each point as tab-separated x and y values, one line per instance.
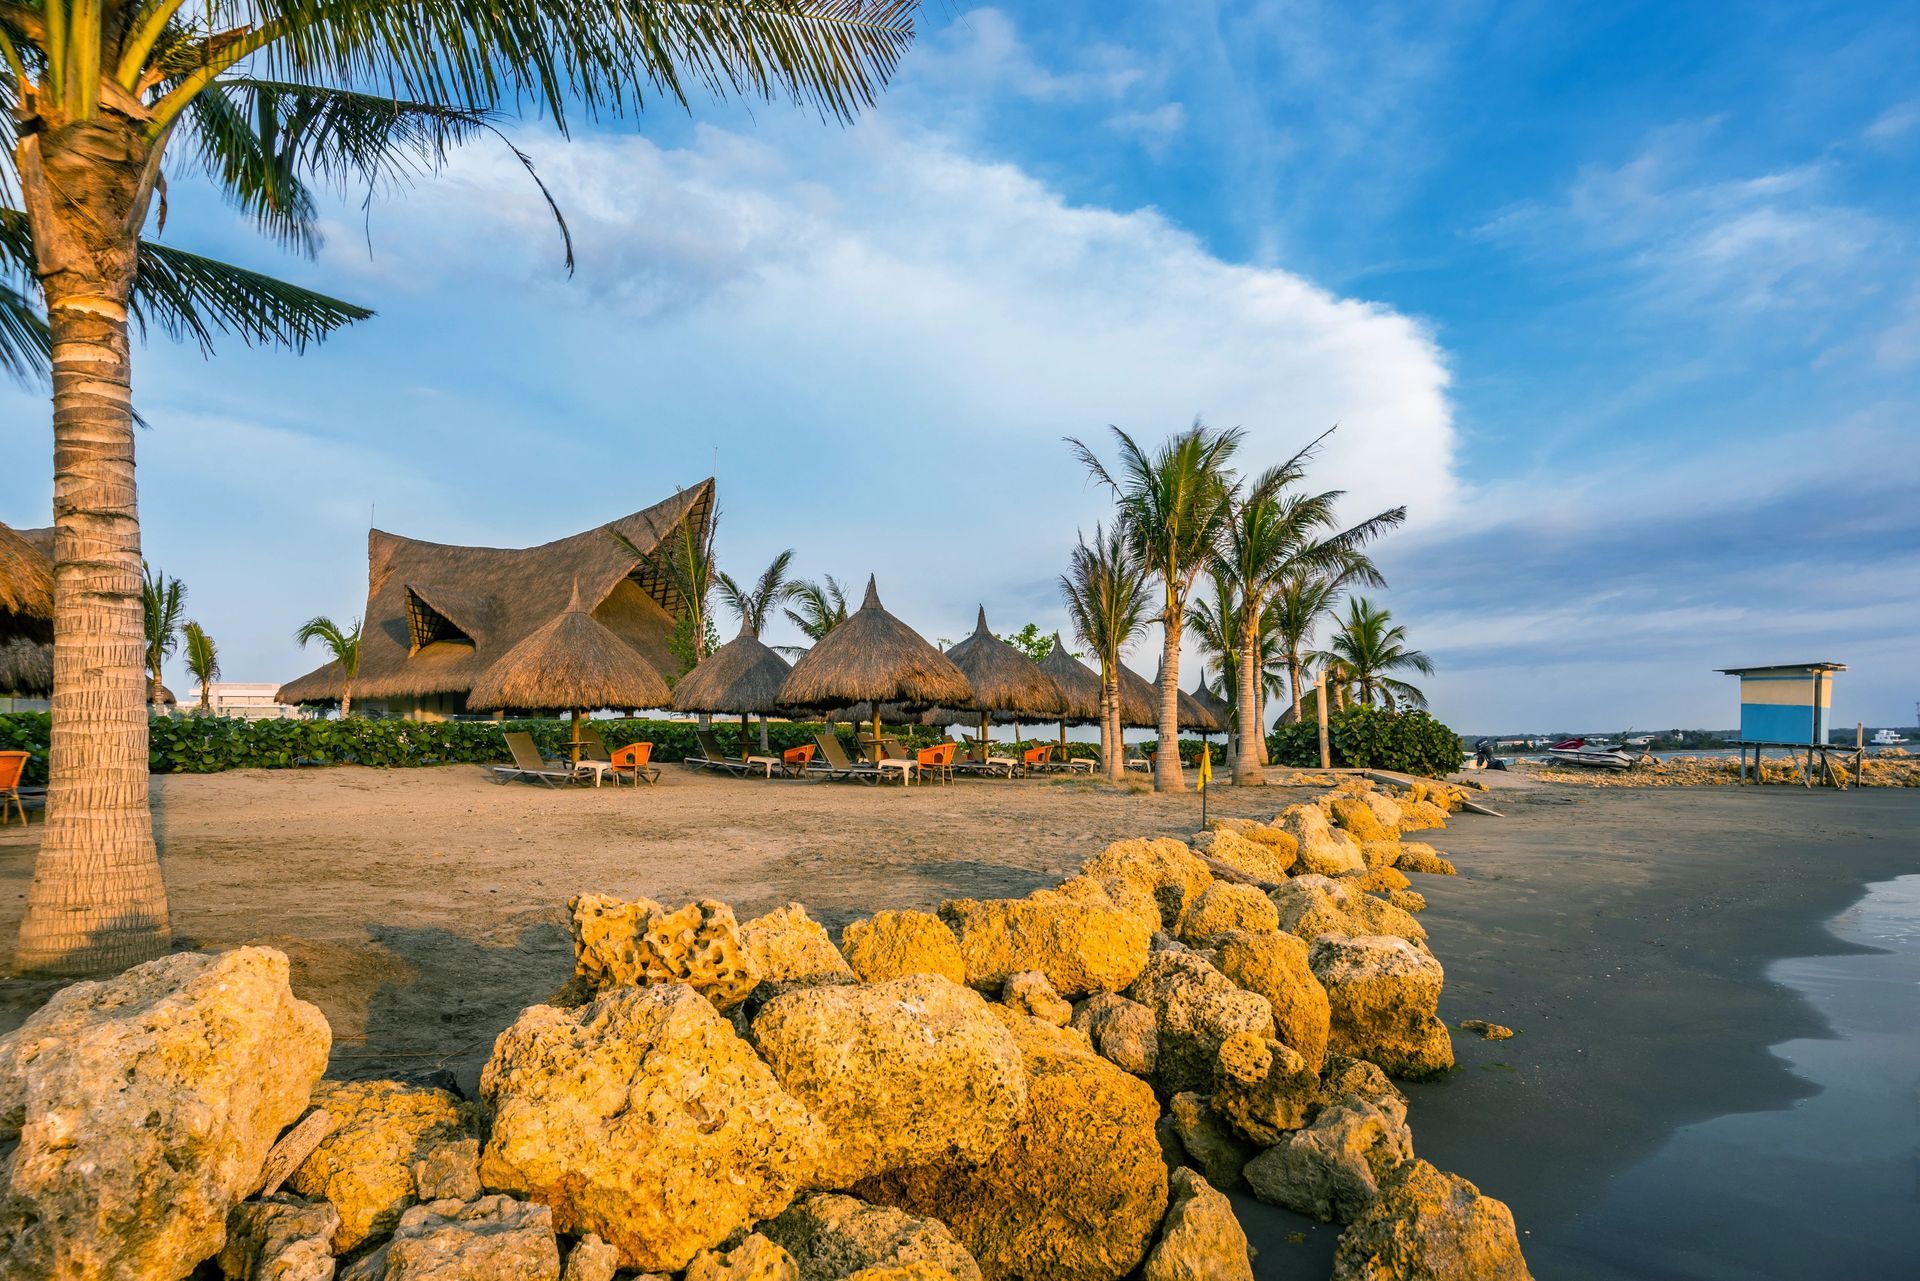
1174	506
163	604
266	99
1106	592
203	661
822	606
685	559
755	604
1272	537
1367	648
345	648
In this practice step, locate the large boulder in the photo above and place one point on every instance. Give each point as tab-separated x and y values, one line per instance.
1382	879
1225	906
1310	906
1075	1193
1075	935
365	1165
1382	992
141	1108
907	1072
1323	850
1213	1148
904	1272
1030	993
1426	1225
1386	811
832	1236
1332	1169
1418	856
281	1238
1274	965
1357	818
754	1259
626	1113
1263	1089
888	945
1161	868
493	1238
1201	1240
1419	815
1122	1031
1266	854
788	946
1195	1008
625	944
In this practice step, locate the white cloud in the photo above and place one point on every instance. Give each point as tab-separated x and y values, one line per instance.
1155	129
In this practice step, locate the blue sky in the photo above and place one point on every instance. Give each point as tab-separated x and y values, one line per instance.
1622	300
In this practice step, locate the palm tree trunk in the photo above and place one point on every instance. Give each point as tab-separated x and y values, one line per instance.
1167	774
1113	743
346	701
1260	722
765	748
1293	680
1246	766
97	901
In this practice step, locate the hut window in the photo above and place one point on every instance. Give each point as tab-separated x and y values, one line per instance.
425	625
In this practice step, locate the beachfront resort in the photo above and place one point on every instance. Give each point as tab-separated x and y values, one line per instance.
972	818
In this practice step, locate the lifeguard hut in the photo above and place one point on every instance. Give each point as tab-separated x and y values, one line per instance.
1784	707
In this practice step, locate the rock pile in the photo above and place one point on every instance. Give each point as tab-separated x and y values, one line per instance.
1053	1088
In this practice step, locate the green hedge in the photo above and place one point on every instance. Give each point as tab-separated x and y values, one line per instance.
208	745
1368	738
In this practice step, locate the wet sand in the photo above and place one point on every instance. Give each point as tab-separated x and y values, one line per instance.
1626	935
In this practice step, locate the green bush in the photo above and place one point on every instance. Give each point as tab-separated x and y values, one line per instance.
1368	738
208	745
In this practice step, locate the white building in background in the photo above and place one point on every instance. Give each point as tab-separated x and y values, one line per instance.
240	701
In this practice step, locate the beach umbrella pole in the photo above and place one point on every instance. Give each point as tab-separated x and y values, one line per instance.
576	738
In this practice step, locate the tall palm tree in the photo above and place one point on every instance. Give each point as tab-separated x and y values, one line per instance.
755	604
1216	621
818	608
1108	600
265	97
1174	505
1299	603
1368	647
163	606
1274	535
344	645
203	661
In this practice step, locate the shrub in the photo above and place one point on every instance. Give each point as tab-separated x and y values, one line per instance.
1368	738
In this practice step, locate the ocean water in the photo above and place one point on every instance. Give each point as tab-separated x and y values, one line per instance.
1828	1187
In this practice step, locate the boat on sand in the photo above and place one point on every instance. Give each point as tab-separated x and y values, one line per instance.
1585	752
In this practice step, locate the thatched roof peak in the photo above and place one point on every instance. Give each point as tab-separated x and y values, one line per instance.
742	676
26	588
875	658
1003	678
572	662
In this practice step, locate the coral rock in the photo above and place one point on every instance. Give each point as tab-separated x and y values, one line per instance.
888	945
1357	818
1323	851
908	1072
1417	856
175	1076
1121	1031
365	1165
448	1171
495	1238
1426	1225
1332	1169
830	1236
1030	993
1380	856
1407	900
1163	869
1310	906
1488	1031
1274	965
754	1259
280	1239
624	1113
1075	935
788	946
1077	1190
1381	880
622	944
1418	816
591	1259
1195	1008
1383	992
1201	1240
1220	1154
1223	906
904	1272
1263	1089
1264	853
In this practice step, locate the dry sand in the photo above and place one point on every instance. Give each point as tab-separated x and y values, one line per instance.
1624	934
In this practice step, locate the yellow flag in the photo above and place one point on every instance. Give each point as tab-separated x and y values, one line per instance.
1206	768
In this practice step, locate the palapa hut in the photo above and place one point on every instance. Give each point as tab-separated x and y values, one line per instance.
876	659
573	663
1193	714
438	617
742	677
1214	705
1006	683
26	613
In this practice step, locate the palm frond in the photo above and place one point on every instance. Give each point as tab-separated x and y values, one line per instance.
25	347
190	297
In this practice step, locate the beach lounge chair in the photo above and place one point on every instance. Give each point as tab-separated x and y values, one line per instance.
979	759
834	763
1035	759
938	759
13	766
711	757
745	764
529	764
630	763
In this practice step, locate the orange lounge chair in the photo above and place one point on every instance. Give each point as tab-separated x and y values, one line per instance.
13	766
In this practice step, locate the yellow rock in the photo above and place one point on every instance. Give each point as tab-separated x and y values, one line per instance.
1357	817
1207	1140
365	1166
1264	853
1274	965
754	1259
1225	906
1417	856
830	1236
1310	906
1030	993
1075	935
1162	868
1201	1241
1195	1009
1416	816
1383	991
1380	855
1407	900
622	944
1384	880
1263	1089
904	1272
787	946
1323	849
888	945
1426	1225
1075	1194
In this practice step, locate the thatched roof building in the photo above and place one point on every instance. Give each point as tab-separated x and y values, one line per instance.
742	676
876	659
1139	706
572	663
1219	708
439	617
26	612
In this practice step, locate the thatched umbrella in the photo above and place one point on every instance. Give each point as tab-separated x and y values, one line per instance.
741	676
26	668
574	663
26	589
1004	680
875	658
1214	705
1193	713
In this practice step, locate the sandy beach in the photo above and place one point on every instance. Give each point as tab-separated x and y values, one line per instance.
1624	934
